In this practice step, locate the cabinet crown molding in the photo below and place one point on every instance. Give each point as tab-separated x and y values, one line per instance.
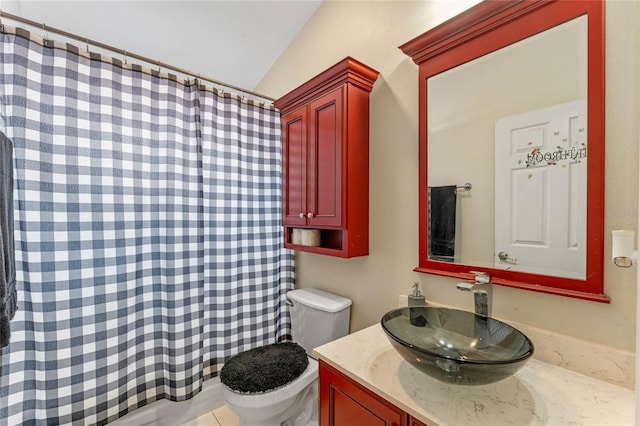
348	70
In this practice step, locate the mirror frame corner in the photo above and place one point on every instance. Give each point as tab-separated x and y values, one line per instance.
482	29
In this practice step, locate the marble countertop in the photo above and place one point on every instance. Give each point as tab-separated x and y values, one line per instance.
538	394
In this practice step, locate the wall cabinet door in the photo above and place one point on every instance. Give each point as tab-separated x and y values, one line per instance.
324	191
294	167
312	167
343	402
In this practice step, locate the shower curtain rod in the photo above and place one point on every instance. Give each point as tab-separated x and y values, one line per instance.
127	54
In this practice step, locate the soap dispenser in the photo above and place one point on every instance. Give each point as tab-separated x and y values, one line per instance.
416	299
416	307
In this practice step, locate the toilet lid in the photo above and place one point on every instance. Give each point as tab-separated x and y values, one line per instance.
264	368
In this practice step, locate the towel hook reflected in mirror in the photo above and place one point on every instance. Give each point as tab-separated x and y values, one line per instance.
466	187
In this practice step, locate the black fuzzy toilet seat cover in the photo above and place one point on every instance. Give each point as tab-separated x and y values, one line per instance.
264	368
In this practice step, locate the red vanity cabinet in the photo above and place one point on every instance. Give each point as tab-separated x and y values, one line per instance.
415	422
343	402
325	159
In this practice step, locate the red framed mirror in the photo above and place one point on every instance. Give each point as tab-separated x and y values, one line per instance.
484	41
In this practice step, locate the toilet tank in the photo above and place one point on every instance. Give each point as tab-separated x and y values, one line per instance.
317	317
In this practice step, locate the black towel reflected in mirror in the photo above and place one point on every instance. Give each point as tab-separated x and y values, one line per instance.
442	222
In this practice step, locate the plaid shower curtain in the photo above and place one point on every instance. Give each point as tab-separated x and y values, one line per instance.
148	239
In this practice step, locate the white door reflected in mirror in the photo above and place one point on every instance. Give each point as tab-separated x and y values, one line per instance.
540	191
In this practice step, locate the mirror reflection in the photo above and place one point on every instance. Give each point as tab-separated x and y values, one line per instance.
512	124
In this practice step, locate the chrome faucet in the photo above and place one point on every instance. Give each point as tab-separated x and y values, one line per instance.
482	292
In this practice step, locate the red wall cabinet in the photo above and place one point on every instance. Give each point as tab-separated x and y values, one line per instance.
325	152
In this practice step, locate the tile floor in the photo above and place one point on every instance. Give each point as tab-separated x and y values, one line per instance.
222	416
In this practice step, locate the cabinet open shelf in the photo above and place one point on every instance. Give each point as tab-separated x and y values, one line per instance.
332	242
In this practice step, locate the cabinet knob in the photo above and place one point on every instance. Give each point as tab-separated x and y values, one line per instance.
310	215
301	215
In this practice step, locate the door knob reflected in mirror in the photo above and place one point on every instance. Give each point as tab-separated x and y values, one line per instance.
504	256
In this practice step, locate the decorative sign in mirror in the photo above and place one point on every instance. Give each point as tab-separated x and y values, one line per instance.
512	145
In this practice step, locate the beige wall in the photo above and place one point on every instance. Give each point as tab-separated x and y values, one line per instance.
370	31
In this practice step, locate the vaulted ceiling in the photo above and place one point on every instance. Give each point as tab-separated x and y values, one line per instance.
236	42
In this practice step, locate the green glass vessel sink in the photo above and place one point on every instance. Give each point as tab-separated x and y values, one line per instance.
455	346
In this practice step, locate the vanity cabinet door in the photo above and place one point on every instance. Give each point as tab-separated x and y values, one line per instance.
343	402
415	422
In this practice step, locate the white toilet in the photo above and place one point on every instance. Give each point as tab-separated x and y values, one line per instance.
317	317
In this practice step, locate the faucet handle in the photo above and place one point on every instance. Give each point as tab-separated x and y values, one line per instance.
481	277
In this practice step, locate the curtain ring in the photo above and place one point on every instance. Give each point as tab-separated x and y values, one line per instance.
46	32
124	52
